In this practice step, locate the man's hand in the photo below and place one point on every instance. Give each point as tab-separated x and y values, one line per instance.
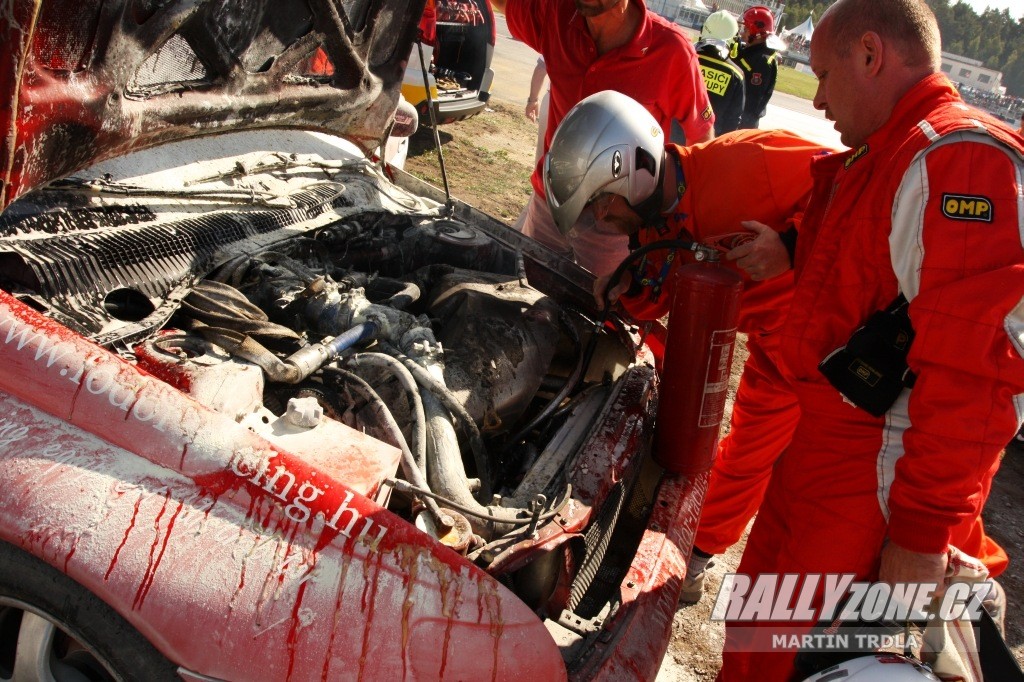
532	109
601	284
904	566
764	257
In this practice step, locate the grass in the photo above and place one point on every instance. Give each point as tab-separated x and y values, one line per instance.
796	83
489	158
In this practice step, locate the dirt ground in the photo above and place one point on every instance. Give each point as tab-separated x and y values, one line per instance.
489	159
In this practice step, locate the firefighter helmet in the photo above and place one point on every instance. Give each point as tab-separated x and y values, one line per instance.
606	144
720	25
758	21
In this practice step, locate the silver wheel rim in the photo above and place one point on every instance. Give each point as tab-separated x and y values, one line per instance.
37	647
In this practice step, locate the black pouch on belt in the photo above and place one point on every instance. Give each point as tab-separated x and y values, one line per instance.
871	369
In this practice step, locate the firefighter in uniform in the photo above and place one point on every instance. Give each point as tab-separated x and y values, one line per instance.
758	62
722	78
691	193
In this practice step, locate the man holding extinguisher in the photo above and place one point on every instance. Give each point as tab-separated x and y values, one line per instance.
606	158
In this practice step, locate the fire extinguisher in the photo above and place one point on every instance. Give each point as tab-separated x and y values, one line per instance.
698	356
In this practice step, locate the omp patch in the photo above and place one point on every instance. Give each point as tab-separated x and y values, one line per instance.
706	114
967	207
861	151
755	79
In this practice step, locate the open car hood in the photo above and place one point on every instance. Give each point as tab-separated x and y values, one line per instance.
88	80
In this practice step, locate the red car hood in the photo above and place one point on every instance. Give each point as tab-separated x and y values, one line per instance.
87	80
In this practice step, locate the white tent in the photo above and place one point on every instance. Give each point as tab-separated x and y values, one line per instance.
804	30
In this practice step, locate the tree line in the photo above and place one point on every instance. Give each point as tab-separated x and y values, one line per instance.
995	37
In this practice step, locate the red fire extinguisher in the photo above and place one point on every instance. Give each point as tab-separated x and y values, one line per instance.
698	356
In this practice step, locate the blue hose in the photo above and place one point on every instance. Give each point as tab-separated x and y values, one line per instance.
352	337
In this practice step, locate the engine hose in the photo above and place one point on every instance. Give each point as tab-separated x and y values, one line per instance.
403	486
358	334
567	387
576	400
231	273
442	393
446	472
220	305
683	244
398	370
284	262
399	294
410	468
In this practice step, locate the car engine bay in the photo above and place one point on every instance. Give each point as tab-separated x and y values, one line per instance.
348	300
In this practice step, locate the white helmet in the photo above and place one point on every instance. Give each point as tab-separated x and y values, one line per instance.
608	143
876	668
720	25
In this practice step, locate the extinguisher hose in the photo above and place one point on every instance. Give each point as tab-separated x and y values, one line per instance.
702	253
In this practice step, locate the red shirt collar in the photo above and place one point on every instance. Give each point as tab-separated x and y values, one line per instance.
641	41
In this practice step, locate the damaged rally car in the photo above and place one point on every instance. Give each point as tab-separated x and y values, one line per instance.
272	410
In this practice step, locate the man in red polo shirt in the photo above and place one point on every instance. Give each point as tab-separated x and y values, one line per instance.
594	45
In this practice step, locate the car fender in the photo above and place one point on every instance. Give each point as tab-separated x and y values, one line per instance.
193	527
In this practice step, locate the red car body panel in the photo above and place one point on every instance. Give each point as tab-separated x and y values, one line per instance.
135	491
66	65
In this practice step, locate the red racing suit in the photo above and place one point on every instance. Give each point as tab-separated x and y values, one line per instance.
929	207
744	175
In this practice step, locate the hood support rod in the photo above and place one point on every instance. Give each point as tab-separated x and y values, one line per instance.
448	204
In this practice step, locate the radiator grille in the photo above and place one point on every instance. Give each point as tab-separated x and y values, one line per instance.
75	272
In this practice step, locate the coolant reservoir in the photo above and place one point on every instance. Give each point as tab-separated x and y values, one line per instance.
234	387
205	371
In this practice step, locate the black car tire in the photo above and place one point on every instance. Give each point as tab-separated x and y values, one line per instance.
66	631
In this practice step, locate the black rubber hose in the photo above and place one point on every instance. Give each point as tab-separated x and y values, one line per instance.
409	383
442	393
398	293
684	244
570	383
409	466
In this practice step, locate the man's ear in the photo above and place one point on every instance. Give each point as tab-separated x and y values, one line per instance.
872	52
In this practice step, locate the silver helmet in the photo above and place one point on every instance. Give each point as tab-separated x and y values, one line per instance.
608	143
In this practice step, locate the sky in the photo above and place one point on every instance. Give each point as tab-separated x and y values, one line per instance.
1016	7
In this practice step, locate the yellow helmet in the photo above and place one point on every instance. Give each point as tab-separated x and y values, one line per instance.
720	25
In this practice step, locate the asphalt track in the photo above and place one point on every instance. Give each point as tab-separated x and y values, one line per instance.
513	65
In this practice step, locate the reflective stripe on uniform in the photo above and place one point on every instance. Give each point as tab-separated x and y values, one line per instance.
725	64
905	240
897	420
